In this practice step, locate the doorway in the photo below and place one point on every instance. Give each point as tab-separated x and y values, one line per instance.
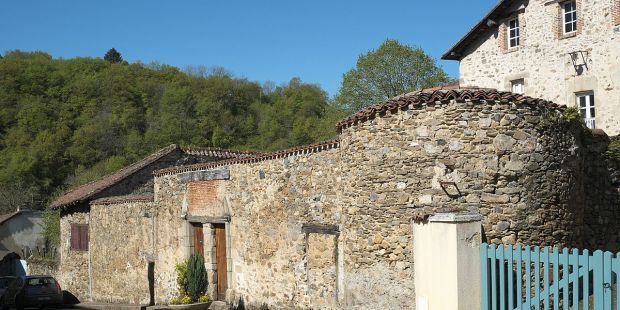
198	238
220	257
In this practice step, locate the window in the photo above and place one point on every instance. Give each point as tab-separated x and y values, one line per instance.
518	86
569	17
585	103
79	237
513	33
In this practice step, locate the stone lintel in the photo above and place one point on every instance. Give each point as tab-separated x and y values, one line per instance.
320	229
455	217
209	219
204	175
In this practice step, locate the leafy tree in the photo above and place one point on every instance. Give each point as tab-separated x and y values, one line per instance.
113	56
67	122
388	71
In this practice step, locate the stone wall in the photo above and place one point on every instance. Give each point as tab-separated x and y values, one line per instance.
73	270
268	203
543	62
332	228
121	244
43	266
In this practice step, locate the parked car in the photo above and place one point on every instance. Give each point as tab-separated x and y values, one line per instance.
4	284
32	291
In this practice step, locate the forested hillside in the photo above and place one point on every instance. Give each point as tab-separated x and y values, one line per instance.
67	122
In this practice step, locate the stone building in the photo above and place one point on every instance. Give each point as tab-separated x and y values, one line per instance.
563	51
80	235
329	225
20	236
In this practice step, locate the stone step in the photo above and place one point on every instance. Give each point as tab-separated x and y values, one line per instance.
104	306
218	305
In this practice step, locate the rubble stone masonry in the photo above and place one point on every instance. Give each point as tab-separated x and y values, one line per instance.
543	59
330	227
525	167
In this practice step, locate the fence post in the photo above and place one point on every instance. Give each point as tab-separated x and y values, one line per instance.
446	254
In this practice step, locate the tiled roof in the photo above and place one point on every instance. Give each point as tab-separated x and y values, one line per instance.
419	99
90	189
86	191
497	12
122	199
219	153
305	149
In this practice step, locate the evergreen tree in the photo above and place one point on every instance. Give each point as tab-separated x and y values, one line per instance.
113	56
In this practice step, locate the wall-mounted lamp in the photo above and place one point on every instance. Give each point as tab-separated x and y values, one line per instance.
579	61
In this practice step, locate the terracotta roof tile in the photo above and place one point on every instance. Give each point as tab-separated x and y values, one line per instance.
420	98
122	199
88	190
219	153
305	149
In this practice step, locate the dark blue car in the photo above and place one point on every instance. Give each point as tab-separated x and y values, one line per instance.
32	291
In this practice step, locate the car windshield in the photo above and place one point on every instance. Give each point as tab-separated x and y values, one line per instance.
40	281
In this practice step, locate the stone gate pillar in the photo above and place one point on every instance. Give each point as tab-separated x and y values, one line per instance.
447	262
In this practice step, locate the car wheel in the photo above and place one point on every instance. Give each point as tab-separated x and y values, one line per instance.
19	303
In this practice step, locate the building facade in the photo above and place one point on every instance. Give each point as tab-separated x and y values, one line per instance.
564	51
330	225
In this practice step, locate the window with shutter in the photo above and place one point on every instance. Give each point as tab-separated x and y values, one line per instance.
79	237
75	236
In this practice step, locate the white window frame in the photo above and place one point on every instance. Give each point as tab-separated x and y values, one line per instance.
587	110
573	22
517	86
517	31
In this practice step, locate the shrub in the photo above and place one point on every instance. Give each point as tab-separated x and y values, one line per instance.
196	277
613	150
191	280
571	114
186	300
181	269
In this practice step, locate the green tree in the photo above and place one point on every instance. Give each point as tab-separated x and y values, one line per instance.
388	71
113	56
65	122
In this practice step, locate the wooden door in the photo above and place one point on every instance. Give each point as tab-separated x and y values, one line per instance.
220	256
198	238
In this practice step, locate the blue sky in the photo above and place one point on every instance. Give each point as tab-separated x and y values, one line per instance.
315	40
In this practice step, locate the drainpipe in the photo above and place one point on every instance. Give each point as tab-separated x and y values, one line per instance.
90	269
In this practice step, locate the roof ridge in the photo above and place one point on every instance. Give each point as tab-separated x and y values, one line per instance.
193	150
305	149
124	199
115	176
422	97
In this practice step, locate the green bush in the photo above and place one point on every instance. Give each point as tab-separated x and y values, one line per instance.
51	226
613	150
571	114
196	277
181	269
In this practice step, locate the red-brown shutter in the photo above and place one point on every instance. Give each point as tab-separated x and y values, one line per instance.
75	236
84	238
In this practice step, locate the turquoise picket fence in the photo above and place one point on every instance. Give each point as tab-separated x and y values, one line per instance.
548	278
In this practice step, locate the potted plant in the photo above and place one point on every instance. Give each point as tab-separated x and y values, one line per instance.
192	284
